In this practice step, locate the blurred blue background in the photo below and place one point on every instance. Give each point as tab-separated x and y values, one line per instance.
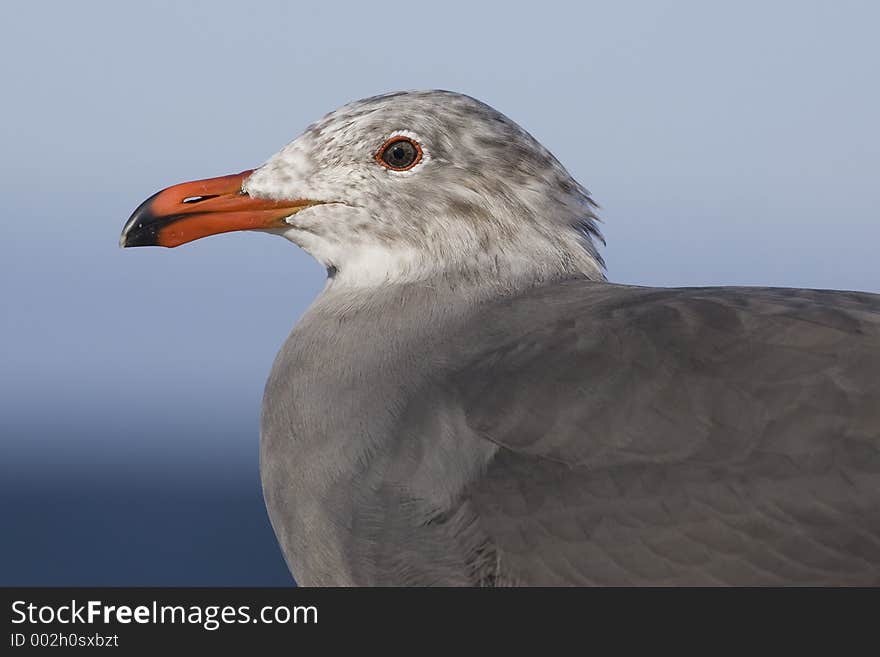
727	145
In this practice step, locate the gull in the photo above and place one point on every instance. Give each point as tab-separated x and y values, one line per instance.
470	402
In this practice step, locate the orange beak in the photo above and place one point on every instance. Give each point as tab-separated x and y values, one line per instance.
192	210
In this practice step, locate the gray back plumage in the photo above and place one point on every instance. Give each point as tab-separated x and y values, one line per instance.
580	432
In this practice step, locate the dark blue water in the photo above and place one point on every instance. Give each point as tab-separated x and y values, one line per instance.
120	498
115	533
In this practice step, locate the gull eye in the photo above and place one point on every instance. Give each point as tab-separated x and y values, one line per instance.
399	154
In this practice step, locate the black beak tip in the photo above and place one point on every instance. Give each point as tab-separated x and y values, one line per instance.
142	227
138	237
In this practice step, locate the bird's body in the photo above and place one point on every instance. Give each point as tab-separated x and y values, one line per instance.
578	433
469	402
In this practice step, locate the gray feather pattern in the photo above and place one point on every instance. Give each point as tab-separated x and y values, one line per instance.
609	435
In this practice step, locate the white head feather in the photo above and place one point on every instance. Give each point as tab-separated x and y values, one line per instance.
486	202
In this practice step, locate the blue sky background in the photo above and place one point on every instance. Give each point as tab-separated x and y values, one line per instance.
733	144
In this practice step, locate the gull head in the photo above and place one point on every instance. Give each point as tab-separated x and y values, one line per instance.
401	187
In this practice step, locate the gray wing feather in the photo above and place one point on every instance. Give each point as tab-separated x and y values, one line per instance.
693	435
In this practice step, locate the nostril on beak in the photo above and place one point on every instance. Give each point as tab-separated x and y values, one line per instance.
198	199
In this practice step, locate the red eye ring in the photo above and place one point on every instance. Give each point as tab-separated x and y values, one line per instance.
400	159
